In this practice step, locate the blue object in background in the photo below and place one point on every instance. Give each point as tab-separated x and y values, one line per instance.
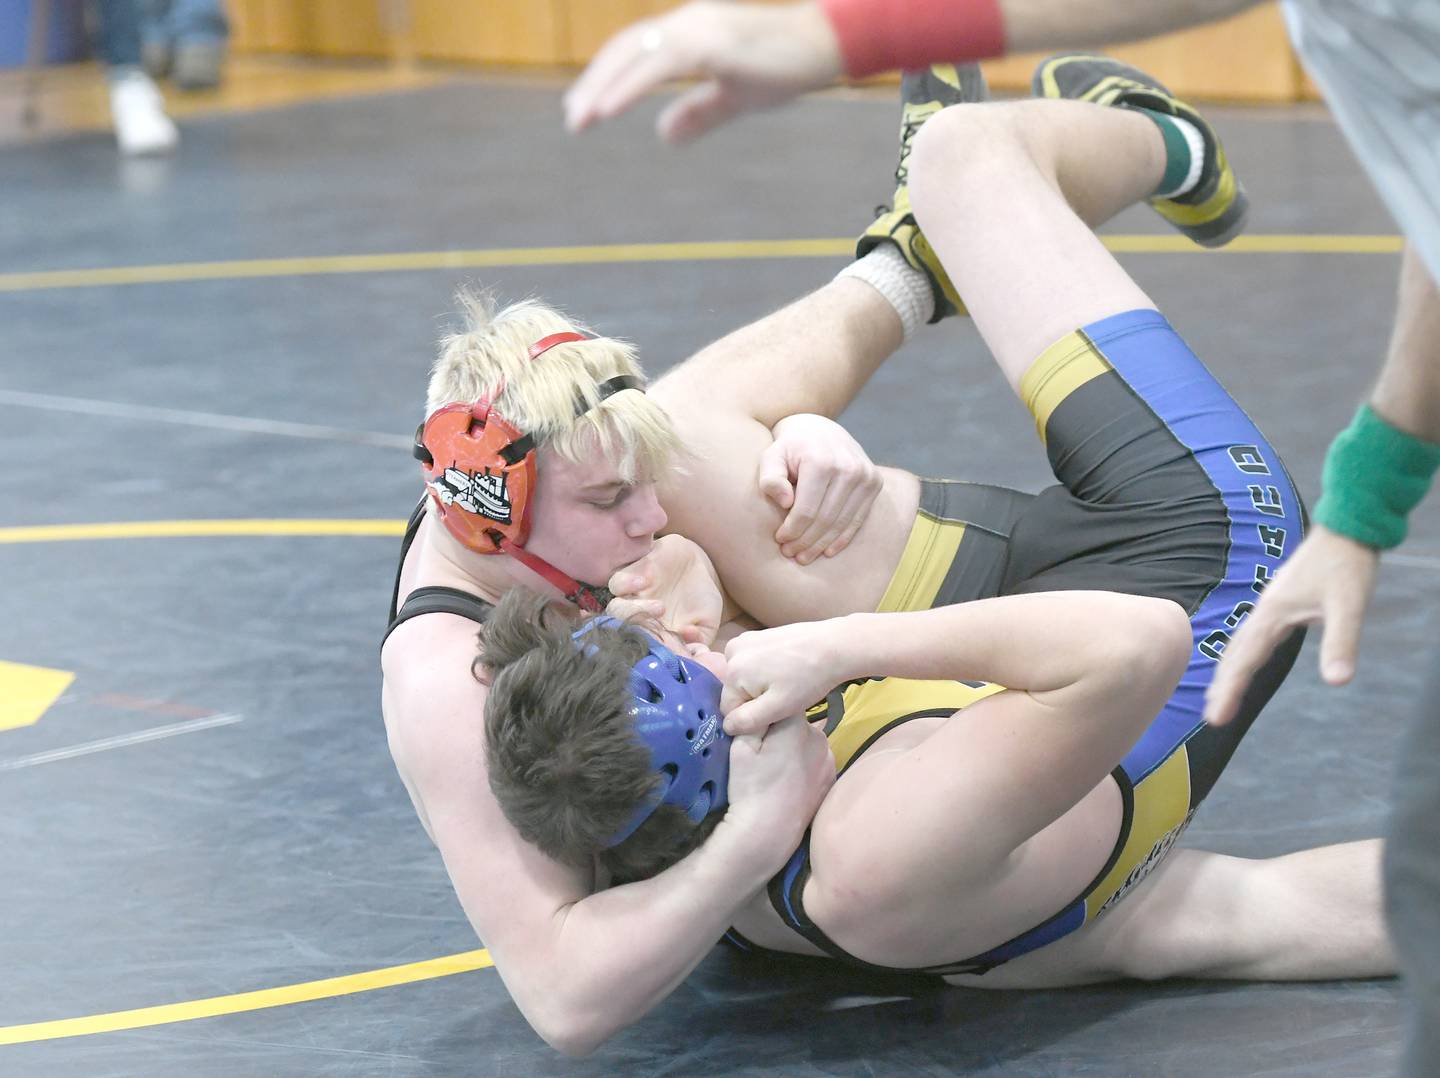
65	33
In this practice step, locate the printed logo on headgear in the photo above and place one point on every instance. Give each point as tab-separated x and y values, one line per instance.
706	735
483	493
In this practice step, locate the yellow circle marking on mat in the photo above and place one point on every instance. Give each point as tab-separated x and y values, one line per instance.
464	962
619	252
187	529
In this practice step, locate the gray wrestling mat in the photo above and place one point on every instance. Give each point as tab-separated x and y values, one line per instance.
197	808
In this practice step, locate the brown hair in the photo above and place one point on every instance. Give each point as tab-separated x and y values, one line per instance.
564	759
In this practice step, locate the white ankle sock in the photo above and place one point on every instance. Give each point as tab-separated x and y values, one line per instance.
903	286
1196	142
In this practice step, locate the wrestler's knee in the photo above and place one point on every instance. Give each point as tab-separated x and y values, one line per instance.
960	144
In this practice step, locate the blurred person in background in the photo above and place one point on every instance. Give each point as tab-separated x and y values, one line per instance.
137	108
185	40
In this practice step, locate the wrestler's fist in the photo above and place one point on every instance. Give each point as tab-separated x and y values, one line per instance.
777	781
773	674
818	472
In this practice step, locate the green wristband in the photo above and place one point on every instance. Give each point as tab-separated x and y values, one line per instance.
1374	475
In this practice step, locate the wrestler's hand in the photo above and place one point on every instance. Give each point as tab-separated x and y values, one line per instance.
773	674
746	56
675	584
1329	579
817	471
777	781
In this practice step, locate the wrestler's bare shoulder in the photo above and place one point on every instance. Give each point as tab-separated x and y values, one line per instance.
432	702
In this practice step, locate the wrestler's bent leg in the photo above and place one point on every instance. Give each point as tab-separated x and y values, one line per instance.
1003	191
1167	488
1311	915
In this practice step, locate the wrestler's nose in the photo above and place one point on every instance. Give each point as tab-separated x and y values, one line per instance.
648	517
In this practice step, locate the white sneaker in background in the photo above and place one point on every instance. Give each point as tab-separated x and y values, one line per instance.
141	125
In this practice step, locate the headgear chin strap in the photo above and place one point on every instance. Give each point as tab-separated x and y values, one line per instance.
480	473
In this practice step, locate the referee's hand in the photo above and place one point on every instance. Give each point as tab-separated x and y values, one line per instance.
1329	579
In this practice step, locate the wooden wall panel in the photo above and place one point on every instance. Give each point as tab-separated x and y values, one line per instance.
246	32
495	31
589	24
310	27
281	25
345	28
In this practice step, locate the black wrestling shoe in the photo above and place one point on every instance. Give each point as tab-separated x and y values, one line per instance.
922	95
1214	211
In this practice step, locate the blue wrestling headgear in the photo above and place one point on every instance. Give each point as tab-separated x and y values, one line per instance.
677	715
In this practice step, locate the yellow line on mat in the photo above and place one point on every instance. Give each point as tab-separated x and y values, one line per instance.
1272	244
172	529
464	962
427	260
612	253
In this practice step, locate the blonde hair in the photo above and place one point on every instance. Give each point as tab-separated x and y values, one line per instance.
540	397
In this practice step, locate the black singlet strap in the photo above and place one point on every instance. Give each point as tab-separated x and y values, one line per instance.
412	526
430	600
440	600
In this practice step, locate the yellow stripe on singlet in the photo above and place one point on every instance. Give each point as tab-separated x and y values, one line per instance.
927	557
872	707
1162	802
1061	369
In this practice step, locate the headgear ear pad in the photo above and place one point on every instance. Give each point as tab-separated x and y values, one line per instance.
480	472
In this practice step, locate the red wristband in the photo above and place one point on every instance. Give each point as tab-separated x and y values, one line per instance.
906	35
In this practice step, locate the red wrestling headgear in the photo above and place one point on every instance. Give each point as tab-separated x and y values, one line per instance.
480	472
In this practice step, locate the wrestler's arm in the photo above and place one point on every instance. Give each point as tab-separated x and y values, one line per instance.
1088	671
750	56
812	356
579	965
